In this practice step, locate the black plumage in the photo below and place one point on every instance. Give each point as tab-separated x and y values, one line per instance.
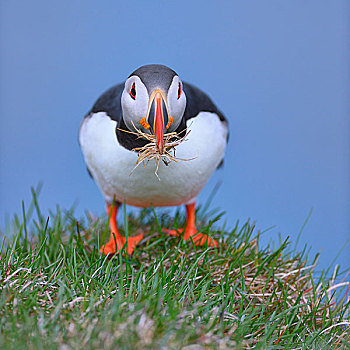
110	103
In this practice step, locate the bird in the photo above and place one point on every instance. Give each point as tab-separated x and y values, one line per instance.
154	100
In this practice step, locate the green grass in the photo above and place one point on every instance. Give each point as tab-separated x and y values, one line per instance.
57	292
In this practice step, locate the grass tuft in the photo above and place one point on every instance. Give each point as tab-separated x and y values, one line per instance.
57	292
151	151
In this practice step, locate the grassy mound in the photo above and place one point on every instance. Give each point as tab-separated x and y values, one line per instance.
57	292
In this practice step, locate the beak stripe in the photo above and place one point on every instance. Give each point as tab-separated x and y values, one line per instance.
159	123
157	119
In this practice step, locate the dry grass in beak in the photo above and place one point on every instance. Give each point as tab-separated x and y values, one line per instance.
151	151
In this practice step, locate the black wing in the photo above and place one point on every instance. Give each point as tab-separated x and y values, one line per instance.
199	101
110	102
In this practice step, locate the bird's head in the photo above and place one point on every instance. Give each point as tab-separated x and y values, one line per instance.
153	101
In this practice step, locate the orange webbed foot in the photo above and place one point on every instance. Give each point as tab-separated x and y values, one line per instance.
133	242
197	237
175	233
202	239
108	248
190	231
116	240
111	247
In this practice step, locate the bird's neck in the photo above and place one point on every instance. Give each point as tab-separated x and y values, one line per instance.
127	140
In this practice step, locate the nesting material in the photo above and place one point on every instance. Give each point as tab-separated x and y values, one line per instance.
151	151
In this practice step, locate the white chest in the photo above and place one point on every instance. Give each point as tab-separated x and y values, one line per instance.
112	166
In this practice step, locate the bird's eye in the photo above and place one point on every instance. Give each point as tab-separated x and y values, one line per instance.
179	91
133	91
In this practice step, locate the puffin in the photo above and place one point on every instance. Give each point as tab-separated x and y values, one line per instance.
154	101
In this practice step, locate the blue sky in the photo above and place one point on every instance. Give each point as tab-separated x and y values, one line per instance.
278	70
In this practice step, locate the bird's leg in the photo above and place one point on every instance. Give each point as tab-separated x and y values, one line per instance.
190	229
117	241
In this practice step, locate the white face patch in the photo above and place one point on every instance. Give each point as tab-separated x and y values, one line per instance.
134	102
176	101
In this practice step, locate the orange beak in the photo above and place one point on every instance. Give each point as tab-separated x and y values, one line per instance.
159	122
158	117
